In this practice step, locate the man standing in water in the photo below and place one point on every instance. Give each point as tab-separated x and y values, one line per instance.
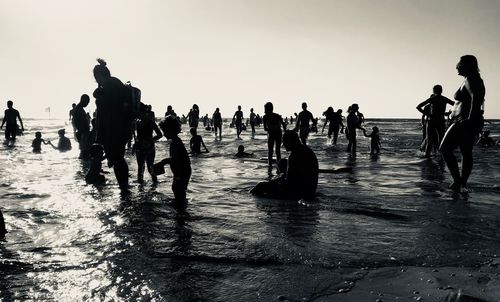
81	124
303	123
114	120
436	122
10	117
238	121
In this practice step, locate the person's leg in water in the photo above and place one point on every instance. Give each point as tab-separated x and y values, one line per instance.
303	135
335	132
467	158
116	156
150	159
179	187
252	124
141	161
270	147
432	138
278	147
448	145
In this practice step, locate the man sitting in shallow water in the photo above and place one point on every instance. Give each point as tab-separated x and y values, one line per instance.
301	178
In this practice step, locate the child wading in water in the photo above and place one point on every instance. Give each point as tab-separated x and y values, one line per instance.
94	175
374	140
37	142
179	159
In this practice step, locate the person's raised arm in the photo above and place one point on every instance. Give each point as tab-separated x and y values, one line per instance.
420	107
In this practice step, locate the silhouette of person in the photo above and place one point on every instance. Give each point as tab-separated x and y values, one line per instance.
217	120
81	125
178	160
466	122
241	152
194	116
64	144
71	116
301	180
10	118
303	123
238	121
272	124
436	121
94	175
114	120
196	142
334	119
37	142
353	123
253	116
485	140
145	143
170	111
374	140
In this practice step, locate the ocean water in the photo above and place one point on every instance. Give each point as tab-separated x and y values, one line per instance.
69	241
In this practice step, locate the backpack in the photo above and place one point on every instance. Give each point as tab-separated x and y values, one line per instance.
133	100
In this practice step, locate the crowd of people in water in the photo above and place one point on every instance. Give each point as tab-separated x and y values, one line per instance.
121	120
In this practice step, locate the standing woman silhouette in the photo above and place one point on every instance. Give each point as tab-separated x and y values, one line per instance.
466	122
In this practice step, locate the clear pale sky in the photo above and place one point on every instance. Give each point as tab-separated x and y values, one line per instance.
384	55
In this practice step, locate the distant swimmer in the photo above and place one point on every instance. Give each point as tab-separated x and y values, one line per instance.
466	122
196	142
301	179
303	126
217	120
485	140
94	176
10	118
179	159
374	140
37	142
238	121
64	144
273	123
435	125
241	152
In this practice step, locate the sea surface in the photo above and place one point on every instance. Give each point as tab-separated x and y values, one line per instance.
69	241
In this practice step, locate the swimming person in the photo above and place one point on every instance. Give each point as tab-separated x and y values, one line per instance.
301	179
217	120
353	123
64	144
485	140
10	117
178	160
374	140
436	118
466	122
272	124
303	123
238	121
241	152
37	142
145	143
196	142
114	120
81	125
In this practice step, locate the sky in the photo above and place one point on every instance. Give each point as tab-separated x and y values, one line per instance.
384	55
